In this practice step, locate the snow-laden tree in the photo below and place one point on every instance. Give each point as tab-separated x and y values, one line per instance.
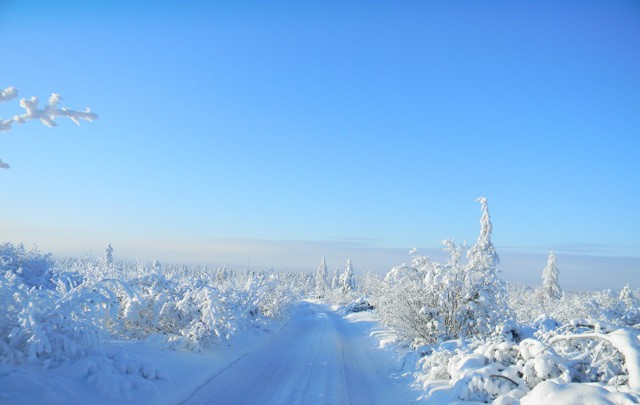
322	277
347	283
335	280
550	287
626	295
430	301
108	255
483	285
222	275
47	115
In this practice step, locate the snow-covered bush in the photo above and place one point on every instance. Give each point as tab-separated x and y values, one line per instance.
505	370
32	266
50	325
180	308
594	306
51	312
359	305
430	301
508	371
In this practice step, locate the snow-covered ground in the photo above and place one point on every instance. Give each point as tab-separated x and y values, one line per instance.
318	356
131	372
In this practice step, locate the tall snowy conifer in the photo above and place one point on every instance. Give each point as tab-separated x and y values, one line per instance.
335	281
483	255
550	287
484	286
322	277
108	255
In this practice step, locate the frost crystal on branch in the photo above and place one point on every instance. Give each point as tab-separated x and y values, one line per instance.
50	112
8	94
46	115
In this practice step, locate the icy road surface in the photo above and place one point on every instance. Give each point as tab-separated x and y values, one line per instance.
319	357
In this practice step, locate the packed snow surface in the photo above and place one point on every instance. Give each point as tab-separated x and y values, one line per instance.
320	357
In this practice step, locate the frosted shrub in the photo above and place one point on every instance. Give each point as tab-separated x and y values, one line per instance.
43	325
176	307
484	372
430	301
506	371
197	320
32	266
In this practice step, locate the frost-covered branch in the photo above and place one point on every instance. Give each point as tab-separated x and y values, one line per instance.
8	94
624	341
47	115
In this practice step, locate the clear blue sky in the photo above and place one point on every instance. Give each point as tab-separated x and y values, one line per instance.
374	124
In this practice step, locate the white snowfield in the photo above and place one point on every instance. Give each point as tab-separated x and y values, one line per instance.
319	357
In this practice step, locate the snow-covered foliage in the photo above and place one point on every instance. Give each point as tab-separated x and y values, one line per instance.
33	267
51	322
621	308
549	352
50	313
503	370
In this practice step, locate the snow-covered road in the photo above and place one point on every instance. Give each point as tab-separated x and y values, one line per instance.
319	357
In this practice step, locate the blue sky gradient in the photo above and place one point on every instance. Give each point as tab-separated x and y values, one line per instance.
377	123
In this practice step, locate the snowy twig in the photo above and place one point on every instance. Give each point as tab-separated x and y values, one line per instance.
8	94
46	115
623	341
505	378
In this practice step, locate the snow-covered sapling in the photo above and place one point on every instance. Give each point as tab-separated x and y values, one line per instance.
550	287
347	283
322	277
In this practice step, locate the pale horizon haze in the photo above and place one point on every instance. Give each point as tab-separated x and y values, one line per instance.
270	135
